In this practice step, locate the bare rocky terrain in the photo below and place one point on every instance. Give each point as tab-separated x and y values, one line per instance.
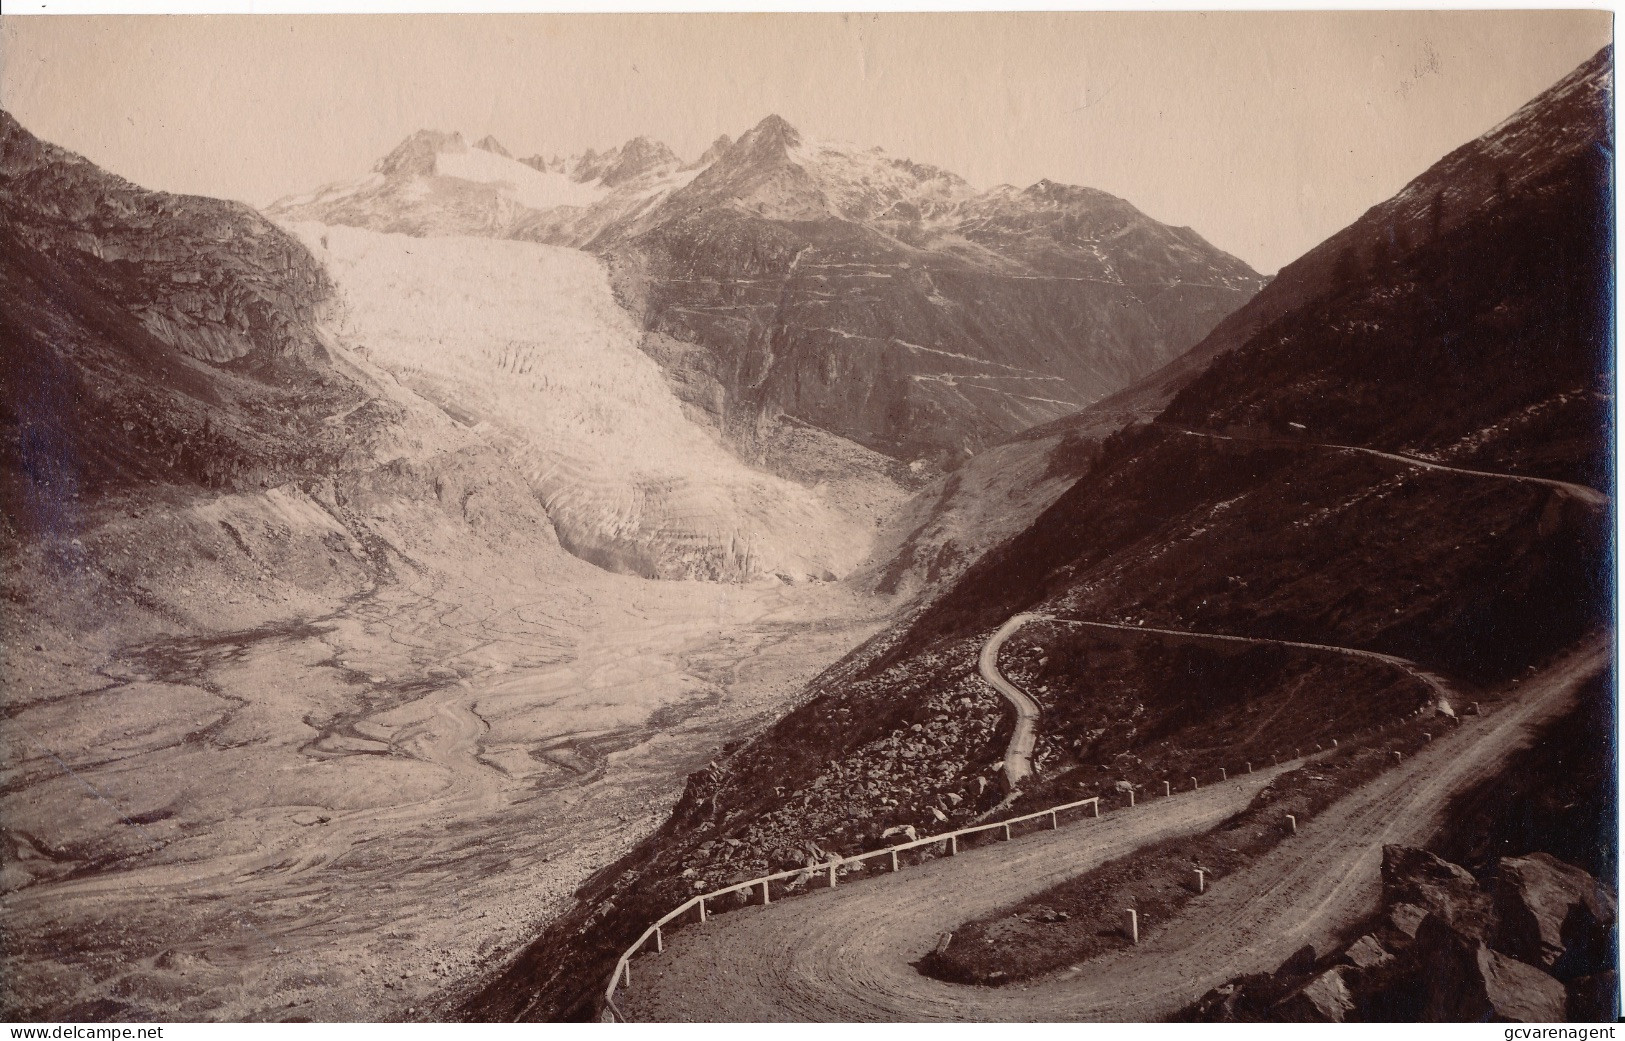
310	712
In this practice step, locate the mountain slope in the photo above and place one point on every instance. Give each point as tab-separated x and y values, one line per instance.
155	337
886	301
944	523
1213	521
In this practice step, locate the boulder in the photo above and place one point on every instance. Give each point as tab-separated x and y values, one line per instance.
1551	912
1467	982
1367	953
1324	999
1415	876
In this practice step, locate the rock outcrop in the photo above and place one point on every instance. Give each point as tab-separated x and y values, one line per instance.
1553	915
213	279
1441	950
1467	982
1446	891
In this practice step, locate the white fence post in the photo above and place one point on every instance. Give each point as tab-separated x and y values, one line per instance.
1249	767
767	896
1195	784
1053	823
1292	822
1167	788
660	941
702	910
1224	775
1094	804
1201	880
894	862
953	845
1132	922
832	874
1131	796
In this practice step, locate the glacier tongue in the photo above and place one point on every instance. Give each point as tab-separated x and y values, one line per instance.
528	341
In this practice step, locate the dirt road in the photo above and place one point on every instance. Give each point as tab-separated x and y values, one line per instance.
1018	754
846	954
1589	496
1437	683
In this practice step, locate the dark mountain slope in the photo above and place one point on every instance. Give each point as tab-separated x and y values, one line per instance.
880	299
153	338
1272	537
947	525
1487	347
1543	134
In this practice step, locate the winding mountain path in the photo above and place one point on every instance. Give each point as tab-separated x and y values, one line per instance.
847	953
1587	495
1437	683
1018	754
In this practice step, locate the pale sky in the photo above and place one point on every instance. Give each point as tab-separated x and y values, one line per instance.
1265	131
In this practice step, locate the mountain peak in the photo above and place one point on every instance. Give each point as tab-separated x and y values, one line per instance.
637	157
416	154
489	143
772	132
713	153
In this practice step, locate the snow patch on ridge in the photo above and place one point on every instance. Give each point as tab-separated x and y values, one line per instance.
529	187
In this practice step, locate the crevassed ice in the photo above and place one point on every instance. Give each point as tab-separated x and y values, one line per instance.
530	338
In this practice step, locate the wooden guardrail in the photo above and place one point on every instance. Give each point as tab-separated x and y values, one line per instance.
623	968
622	975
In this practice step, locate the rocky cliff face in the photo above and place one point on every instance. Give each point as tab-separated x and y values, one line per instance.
157	338
212	279
1444	948
888	302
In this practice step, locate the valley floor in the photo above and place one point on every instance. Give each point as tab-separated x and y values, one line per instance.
342	816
